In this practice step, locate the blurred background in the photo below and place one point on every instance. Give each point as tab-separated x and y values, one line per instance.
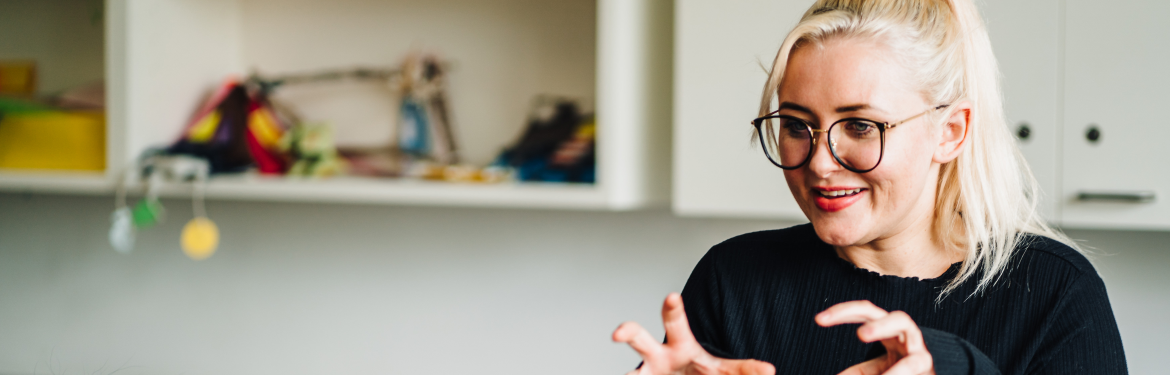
409	186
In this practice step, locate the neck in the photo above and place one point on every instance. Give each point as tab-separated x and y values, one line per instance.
908	254
912	251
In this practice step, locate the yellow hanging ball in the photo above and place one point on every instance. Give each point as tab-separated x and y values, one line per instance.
200	238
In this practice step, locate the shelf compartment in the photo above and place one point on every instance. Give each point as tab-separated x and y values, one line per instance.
162	56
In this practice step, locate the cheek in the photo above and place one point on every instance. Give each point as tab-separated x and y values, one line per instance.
908	153
795	180
899	180
798	185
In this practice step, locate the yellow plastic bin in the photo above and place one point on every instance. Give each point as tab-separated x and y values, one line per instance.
53	140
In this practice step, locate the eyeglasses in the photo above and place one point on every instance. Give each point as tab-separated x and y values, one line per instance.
856	143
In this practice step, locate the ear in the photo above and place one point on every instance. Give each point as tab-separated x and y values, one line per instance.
953	134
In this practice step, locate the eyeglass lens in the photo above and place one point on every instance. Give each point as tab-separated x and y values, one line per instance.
855	143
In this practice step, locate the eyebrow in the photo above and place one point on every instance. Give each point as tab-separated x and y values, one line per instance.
794	107
853	108
844	109
858	107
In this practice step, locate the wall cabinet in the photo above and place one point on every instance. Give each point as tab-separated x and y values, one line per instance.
163	56
1068	67
1115	81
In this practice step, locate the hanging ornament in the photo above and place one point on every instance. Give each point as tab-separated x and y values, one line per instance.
200	238
122	232
148	212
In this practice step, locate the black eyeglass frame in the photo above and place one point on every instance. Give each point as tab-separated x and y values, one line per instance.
882	127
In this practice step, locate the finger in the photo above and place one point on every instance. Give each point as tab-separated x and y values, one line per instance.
897	325
638	338
674	318
752	367
912	365
849	312
870	367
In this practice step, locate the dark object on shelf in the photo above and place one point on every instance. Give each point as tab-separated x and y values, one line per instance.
557	145
234	131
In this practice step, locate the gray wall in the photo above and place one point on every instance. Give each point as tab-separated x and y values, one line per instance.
309	289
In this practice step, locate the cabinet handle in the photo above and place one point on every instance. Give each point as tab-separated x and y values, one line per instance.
1117	196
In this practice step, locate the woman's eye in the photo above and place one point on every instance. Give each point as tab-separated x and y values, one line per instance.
794	128
860	128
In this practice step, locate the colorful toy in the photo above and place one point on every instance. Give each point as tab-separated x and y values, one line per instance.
312	148
557	145
424	124
235	130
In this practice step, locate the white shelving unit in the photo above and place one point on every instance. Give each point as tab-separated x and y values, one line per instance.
164	56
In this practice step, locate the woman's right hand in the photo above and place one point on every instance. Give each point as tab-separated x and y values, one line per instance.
681	354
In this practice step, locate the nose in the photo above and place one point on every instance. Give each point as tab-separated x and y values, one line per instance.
822	163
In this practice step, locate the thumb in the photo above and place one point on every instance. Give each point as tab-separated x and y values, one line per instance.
874	366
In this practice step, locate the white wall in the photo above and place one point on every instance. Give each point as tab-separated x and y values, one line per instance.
308	289
1136	269
64	37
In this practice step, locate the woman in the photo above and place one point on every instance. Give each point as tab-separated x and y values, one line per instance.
886	119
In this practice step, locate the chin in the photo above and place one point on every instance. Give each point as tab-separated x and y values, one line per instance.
837	231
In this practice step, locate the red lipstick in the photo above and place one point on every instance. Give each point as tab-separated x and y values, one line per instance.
837	203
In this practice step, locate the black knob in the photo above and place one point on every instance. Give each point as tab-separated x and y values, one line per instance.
1023	132
1093	134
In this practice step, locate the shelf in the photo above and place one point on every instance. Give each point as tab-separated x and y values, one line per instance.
399	191
55	182
353	190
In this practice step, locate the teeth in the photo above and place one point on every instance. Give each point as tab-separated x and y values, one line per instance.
839	193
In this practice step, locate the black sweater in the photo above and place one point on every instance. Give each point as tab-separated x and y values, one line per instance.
755	295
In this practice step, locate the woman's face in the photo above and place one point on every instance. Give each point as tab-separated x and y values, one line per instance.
852	78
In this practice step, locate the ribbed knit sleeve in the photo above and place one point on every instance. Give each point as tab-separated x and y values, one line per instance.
955	356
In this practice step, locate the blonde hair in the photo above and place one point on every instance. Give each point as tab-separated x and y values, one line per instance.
987	197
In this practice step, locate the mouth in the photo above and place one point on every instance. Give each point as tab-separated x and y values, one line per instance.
833	199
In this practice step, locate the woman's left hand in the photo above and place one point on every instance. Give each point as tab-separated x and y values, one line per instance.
905	350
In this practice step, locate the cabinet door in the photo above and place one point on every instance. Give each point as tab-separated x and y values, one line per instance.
1116	83
1026	38
721	51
